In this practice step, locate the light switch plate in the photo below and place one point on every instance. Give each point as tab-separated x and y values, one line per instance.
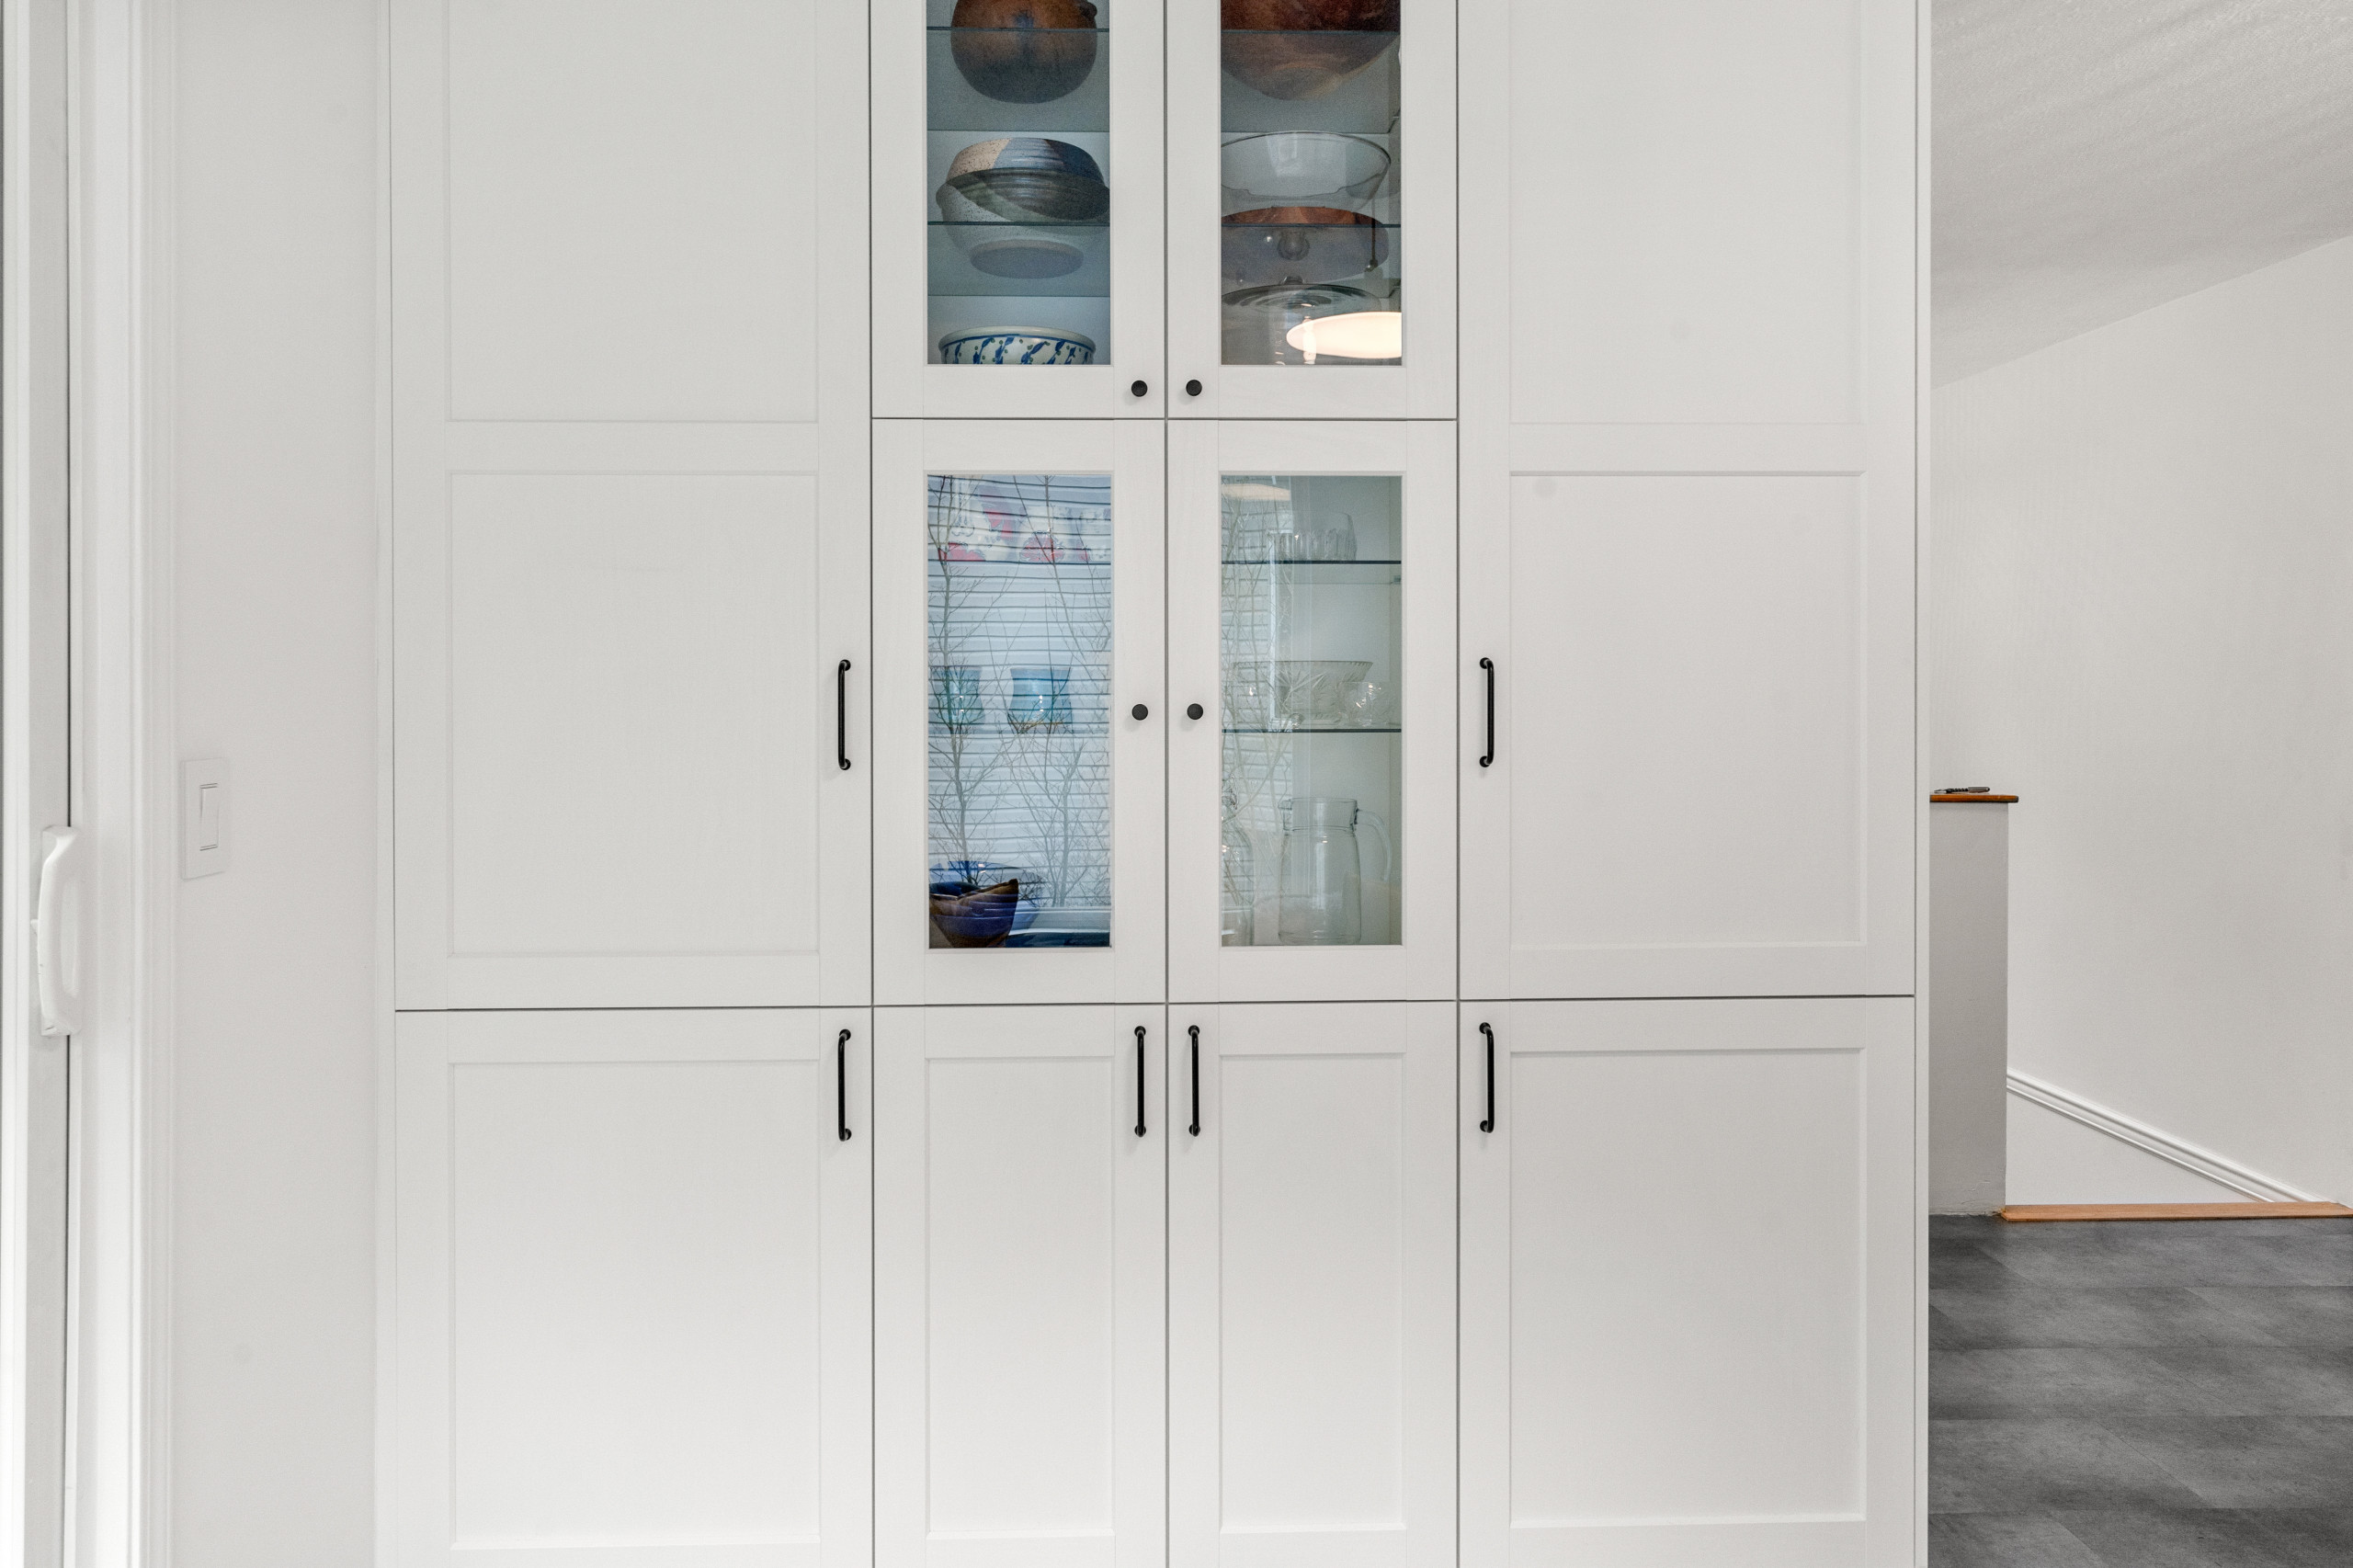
204	818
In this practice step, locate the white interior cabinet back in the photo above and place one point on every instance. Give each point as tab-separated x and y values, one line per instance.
1423	386
907	385
1689	494
633	1299
1020	1332
630	497
1422	967
1310	1290
908	968
1687	1284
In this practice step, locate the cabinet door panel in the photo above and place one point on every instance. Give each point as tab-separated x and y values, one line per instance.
1019	1270
1311	837
1312	1303
1688	1270
1021	855
629	519
1690	493
633	1287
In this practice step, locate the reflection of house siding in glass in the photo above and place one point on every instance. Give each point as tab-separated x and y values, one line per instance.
1019	624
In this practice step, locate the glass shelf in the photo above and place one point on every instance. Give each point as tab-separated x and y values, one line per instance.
1320	729
957	105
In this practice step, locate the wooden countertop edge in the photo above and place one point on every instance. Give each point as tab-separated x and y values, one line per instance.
1972	800
2033	1212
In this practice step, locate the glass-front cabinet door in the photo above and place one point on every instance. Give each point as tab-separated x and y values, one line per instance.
1019	737
1310	840
1311	209
1018	208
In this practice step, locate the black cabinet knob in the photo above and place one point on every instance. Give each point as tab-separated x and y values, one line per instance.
1138	388
1194	711
1192	388
1141	712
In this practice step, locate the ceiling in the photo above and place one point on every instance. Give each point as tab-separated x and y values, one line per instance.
2094	158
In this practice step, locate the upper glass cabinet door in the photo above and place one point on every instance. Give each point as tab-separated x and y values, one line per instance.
1310	172
1018	208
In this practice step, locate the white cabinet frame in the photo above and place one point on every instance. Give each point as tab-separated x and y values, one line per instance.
907	385
1381	1496
1134	968
1200	970
1423	387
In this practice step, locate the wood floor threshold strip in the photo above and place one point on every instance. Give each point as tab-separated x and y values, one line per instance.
2033	1212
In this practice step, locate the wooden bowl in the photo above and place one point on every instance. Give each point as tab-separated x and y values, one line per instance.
980	919
1023	51
1303	48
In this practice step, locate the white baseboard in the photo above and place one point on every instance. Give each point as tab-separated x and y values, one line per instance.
2190	1156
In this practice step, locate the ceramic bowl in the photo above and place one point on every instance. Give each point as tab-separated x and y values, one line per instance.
1304	48
1023	196
1026	153
1029	251
1016	345
1319	168
1023	51
1301	244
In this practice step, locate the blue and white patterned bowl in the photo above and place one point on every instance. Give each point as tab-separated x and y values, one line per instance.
1016	345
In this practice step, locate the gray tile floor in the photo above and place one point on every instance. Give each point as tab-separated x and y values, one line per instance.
2144	1395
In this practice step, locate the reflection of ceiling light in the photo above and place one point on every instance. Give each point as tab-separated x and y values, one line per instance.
1358	335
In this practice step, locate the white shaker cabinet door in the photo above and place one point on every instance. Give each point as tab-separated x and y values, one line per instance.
632	1287
1691	496
1311	1304
1688	1275
1019	1261
629	495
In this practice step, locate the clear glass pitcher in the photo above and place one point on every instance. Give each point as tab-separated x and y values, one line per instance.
1321	901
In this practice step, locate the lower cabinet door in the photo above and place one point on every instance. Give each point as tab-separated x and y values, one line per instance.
632	1289
1020	1364
1687	1284
1311	1308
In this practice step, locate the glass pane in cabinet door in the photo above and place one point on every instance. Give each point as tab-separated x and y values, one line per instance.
1020	746
1311	252
1311	651
1019	156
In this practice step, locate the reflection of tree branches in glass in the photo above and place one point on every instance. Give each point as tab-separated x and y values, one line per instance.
1020	582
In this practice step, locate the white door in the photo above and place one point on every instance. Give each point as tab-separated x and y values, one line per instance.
633	1289
629	499
1019	1263
1019	732
1017	196
1311	250
1690	496
1311	595
1310	1288
44	858
1688	1277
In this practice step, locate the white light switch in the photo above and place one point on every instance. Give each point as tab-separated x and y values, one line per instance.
204	817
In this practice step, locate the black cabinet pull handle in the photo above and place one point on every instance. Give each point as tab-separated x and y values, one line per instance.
1138	388
1489	760
1194	1031
1192	388
841	714
1140	713
841	1084
1139	1080
1193	710
1489	1124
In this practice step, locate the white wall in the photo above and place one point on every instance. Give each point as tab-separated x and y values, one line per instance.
2143	626
273	1320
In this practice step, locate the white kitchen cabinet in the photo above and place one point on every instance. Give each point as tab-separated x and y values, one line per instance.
1311	844
1690	490
1019	732
629	455
633	1299
1688	1272
1021	1179
1311	1285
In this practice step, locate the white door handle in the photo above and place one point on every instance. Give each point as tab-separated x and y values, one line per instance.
57	958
